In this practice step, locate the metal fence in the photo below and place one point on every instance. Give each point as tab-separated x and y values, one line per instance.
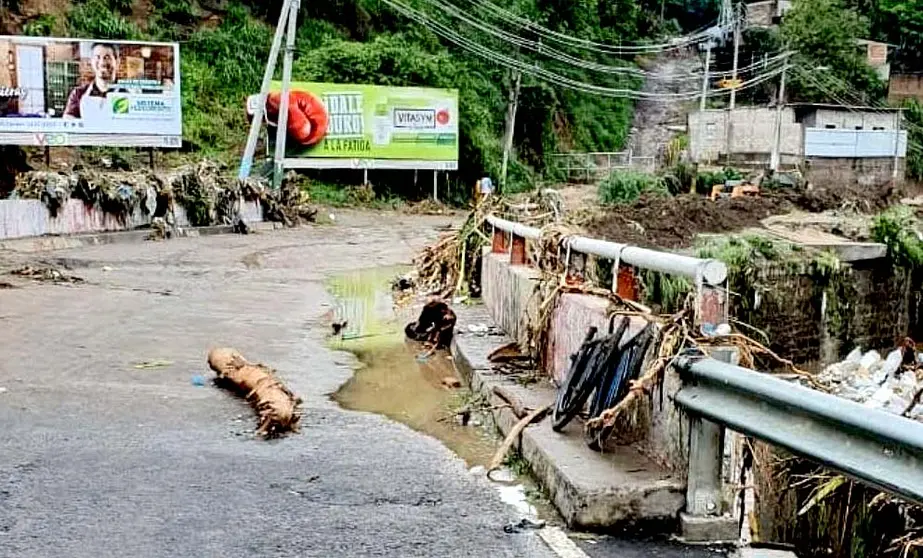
598	165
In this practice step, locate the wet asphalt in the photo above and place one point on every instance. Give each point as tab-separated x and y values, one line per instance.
102	458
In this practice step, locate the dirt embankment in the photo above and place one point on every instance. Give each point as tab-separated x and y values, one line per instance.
673	222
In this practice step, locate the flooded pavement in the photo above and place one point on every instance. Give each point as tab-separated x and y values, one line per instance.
395	380
392	380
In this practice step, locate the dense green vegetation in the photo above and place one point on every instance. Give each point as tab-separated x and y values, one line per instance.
226	44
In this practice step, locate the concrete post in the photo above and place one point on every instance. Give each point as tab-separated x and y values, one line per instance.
498	245
705	519
518	251
627	283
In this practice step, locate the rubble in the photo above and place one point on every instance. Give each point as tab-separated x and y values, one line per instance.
892	384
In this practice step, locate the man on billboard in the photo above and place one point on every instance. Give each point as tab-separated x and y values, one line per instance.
88	101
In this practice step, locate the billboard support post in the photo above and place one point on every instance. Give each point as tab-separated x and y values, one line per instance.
435	185
260	110
282	131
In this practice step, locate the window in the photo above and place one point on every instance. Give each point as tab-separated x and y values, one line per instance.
858	127
830	126
878	128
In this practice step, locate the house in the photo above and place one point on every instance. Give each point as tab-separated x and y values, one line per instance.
865	144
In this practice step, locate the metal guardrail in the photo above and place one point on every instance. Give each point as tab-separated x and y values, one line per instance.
708	271
869	445
709	276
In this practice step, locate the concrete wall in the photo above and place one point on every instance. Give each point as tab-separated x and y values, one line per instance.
834	172
25	218
507	291
853	120
752	130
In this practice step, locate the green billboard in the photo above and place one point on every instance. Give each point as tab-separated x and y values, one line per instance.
368	125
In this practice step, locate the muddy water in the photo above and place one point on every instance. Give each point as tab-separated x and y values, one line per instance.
395	382
392	381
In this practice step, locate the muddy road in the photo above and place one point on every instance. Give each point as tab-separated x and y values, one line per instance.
109	448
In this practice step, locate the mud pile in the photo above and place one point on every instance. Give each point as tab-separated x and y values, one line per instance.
673	222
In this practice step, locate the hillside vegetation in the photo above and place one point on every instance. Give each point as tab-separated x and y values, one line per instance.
225	46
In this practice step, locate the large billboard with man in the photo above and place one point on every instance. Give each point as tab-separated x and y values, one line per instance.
367	126
84	92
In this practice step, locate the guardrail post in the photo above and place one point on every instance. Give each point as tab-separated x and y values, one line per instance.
705	519
518	251
498	246
576	268
711	307
626	283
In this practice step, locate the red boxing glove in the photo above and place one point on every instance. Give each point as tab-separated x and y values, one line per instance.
307	117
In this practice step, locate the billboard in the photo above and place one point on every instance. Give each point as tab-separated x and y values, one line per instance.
82	92
367	126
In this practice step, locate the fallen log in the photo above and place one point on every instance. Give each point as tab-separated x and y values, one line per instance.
277	406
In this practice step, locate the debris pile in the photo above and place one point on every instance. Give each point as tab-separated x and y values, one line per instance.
46	274
892	384
207	194
277	406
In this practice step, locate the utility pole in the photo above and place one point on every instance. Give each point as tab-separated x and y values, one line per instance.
705	78
278	167
729	128
777	144
737	19
510	127
259	113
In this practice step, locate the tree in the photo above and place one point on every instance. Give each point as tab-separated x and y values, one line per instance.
902	21
824	34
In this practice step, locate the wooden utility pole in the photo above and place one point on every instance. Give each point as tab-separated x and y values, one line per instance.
512	107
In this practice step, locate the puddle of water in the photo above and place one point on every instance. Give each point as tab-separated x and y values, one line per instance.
392	382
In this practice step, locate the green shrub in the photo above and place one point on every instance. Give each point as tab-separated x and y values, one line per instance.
896	228
42	26
96	19
622	187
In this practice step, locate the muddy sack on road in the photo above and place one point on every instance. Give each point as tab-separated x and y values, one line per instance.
277	406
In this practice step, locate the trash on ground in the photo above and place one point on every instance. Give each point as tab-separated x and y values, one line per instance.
152	364
892	384
451	382
46	274
3	390
198	381
435	326
524	524
277	406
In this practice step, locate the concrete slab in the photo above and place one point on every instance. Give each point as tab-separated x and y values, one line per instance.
719	529
31	245
763	553
618	489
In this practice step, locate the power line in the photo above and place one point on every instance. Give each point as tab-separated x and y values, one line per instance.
562	38
559	56
552	77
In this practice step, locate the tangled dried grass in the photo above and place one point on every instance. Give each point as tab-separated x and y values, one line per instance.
277	406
